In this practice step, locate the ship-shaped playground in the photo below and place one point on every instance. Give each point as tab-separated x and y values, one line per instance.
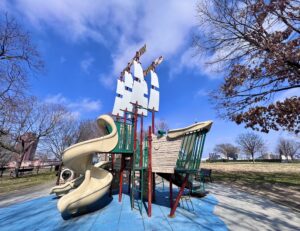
142	152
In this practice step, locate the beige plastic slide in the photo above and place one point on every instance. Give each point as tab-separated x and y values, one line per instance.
60	190
96	181
63	189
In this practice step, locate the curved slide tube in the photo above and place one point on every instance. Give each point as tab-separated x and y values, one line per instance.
60	190
96	181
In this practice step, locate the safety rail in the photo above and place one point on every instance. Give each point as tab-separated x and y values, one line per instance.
190	153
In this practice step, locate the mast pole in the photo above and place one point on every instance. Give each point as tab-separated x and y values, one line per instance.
141	142
153	120
149	172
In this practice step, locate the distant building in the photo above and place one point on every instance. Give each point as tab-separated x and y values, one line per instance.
215	156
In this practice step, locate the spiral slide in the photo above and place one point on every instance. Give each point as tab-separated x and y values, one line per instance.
96	181
65	188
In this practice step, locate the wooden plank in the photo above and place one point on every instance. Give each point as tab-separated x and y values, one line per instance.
164	154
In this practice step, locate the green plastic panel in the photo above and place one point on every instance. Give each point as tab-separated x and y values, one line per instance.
125	143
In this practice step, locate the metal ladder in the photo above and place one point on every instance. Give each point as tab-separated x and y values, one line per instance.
137	181
137	192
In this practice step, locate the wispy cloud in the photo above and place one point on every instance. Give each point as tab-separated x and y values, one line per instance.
191	60
77	107
165	26
86	64
108	81
201	93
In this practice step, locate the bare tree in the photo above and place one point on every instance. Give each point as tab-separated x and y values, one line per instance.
5	157
66	134
32	117
161	125
228	150
256	44
88	129
288	148
18	59
250	143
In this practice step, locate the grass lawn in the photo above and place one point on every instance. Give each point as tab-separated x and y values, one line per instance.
8	184
289	179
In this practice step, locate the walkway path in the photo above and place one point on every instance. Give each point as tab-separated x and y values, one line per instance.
244	211
21	195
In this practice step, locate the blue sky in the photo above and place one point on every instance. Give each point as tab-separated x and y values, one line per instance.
85	45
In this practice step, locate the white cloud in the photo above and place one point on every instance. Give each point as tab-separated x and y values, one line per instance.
85	64
189	59
201	93
77	107
123	26
108	81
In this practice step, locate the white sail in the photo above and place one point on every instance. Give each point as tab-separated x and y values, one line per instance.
128	79
154	79
139	95
119	99
138	70
154	100
126	105
120	87
117	107
154	93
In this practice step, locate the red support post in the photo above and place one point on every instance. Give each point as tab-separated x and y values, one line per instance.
135	129
112	171
129	180
153	119
153	187
173	209
149	172
171	191
121	177
141	143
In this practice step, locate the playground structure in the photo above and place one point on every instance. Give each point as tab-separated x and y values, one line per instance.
175	156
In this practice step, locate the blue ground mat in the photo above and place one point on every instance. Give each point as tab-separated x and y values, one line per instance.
42	214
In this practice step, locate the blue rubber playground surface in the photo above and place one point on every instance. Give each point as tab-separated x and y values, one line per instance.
42	214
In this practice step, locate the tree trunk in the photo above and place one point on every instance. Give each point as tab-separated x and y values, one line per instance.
252	157
20	161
